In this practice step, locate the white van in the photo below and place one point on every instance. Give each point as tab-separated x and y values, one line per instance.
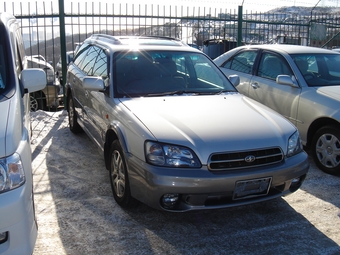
18	226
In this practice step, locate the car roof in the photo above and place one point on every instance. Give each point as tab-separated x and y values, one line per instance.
139	42
40	62
5	17
290	49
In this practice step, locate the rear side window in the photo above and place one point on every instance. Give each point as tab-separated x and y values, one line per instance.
242	62
92	60
79	59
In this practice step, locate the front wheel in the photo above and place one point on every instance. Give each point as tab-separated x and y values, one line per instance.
326	149
37	102
119	177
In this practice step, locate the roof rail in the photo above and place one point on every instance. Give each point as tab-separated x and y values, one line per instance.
104	37
117	39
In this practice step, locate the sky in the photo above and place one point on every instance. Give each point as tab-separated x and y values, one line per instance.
248	5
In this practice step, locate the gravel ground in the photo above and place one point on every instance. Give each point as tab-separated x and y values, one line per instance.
77	214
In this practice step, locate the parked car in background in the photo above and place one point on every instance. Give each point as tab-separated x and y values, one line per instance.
40	57
18	225
336	50
175	133
301	83
51	96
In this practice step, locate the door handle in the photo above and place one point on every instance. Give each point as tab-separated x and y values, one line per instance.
86	94
255	85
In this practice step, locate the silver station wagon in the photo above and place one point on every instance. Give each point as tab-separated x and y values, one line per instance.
175	133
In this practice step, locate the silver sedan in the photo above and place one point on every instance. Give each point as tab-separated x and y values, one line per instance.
302	83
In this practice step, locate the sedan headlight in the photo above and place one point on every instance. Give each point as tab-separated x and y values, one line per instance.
49	76
11	173
170	155
294	145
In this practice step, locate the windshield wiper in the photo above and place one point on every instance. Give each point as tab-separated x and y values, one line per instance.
169	93
224	91
181	92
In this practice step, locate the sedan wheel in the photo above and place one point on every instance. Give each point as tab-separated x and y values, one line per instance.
119	176
33	103
326	149
37	101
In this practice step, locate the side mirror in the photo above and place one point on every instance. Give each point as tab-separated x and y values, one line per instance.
93	83
33	79
286	80
234	79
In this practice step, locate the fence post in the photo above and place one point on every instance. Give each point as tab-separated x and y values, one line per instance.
239	25
62	46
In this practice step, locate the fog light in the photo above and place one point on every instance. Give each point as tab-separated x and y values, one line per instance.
3	237
296	180
169	201
296	183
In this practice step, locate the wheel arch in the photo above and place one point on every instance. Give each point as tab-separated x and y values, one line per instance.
316	125
112	134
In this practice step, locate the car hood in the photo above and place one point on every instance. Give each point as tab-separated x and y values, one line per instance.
330	91
208	124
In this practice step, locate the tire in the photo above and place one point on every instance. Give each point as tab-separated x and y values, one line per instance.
37	103
119	177
33	103
326	149
72	117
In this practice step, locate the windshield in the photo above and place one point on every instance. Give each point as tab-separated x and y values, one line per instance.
2	69
156	73
319	69
2	63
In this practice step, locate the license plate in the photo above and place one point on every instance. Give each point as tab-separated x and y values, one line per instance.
252	188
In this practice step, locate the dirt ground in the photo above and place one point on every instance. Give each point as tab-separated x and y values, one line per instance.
77	214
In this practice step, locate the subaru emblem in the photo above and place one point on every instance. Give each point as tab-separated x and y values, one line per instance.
250	158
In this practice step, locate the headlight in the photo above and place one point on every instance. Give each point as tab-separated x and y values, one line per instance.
294	145
49	75
11	173
170	155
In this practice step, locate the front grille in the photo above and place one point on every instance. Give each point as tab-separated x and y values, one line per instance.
236	160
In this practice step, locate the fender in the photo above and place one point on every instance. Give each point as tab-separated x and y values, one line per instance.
113	133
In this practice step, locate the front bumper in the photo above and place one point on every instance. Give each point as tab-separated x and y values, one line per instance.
18	225
200	189
17	221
